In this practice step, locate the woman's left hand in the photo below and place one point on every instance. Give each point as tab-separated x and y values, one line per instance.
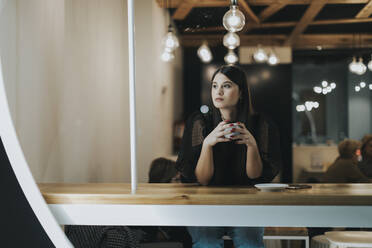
245	137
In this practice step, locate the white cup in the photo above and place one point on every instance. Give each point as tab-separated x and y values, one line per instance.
228	136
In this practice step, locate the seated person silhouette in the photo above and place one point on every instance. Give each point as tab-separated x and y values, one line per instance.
345	168
163	170
365	165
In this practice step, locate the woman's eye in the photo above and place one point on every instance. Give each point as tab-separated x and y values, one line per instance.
227	86
214	86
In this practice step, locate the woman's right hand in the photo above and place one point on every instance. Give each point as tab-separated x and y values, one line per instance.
218	134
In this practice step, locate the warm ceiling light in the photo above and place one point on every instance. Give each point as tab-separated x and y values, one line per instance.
318	89
231	57
362	84
324	83
361	68
205	53
333	85
273	59
167	56
300	108
260	55
370	64
170	40
353	66
231	40
233	20
357	88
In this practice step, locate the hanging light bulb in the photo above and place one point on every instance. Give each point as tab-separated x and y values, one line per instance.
273	59
233	20
370	86
370	64
353	66
362	84
357	88
260	56
317	89
333	85
167	56
205	53
231	40
361	68
170	40
231	57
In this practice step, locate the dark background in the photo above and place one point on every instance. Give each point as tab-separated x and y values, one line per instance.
19	225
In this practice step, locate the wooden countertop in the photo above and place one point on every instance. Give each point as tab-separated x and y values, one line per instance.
191	194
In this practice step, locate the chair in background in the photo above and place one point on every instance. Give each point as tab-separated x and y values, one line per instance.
344	239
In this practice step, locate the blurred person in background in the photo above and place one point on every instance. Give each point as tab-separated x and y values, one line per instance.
345	168
365	165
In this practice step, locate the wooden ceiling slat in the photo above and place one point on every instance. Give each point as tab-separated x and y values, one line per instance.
248	11
304	41
183	9
366	11
226	3
306	19
288	24
271	10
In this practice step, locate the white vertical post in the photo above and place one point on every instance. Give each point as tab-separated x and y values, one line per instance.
132	96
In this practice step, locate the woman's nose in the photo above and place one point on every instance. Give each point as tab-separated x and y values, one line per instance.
220	91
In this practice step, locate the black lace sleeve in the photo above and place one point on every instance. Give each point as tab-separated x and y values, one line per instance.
191	145
269	147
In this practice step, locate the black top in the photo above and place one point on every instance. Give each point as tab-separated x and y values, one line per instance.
229	159
365	167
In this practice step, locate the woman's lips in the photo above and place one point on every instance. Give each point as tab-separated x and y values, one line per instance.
219	99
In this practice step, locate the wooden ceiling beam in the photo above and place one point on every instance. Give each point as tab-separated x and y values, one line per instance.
271	10
286	24
366	11
183	9
306	19
226	3
304	41
248	11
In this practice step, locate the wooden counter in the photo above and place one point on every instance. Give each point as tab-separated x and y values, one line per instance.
183	194
180	204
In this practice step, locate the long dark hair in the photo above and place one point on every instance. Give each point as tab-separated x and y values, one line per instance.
244	106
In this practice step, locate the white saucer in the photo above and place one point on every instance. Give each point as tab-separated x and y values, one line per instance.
269	187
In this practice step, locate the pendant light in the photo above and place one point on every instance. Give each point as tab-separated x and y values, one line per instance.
260	55
231	57
231	40
353	66
205	53
234	19
370	64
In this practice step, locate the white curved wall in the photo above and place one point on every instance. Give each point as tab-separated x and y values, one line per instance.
67	83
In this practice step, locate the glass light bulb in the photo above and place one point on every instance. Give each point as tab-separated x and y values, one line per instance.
324	91
231	40
260	56
167	56
362	84
353	66
370	64
233	20
370	86
324	83
170	41
357	88
333	85
309	106
300	108
273	59
231	57
316	104
361	68
317	89
205	53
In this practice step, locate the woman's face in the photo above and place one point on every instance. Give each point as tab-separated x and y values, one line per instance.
225	93
368	149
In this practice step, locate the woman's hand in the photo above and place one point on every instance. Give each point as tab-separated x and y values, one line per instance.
218	134
245	137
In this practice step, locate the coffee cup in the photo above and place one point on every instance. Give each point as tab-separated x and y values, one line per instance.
228	136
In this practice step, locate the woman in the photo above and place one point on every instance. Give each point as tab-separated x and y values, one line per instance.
210	156
366	164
